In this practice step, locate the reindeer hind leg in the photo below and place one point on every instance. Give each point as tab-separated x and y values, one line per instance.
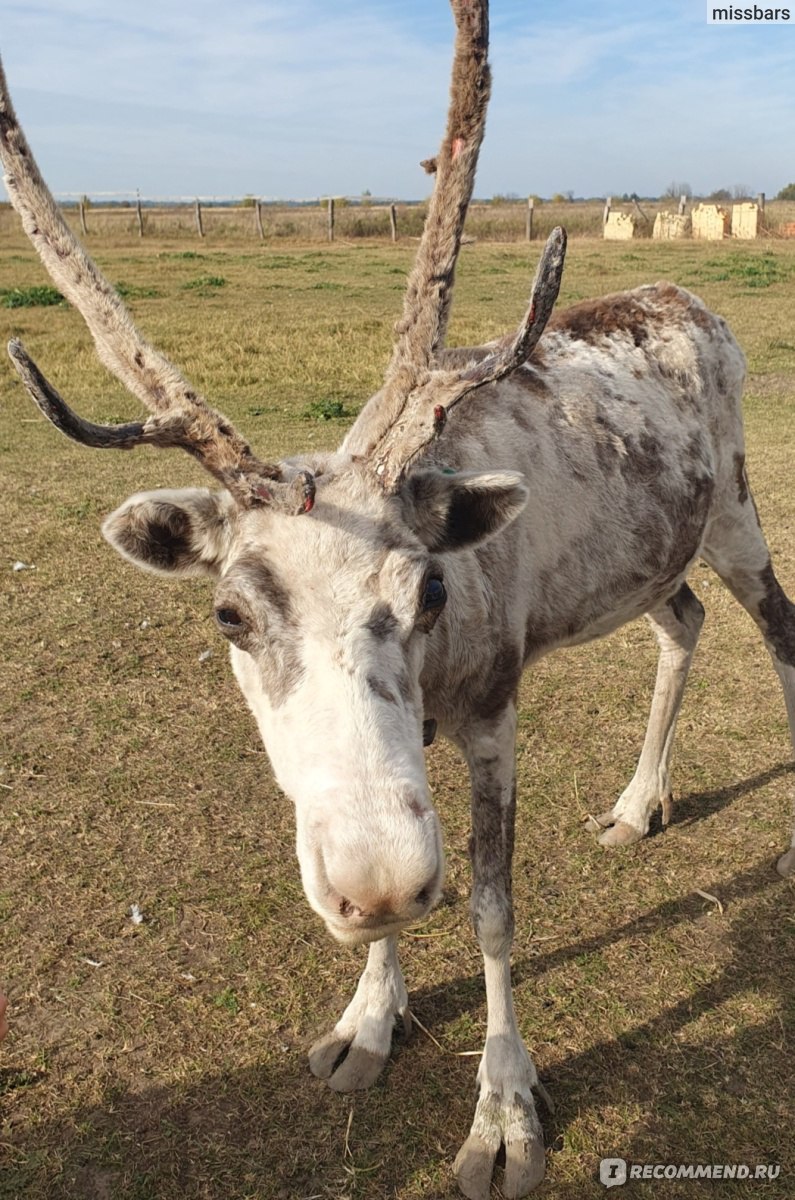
737	551
677	623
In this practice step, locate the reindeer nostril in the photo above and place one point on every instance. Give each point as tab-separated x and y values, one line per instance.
346	908
423	897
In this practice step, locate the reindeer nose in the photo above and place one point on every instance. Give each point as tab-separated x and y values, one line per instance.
364	909
374	910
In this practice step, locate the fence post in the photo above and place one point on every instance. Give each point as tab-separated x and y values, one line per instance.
393	221
139	214
529	221
258	218
682	205
199	225
608	206
83	216
761	202
331	218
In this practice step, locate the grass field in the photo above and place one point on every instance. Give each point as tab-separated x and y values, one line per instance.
167	1060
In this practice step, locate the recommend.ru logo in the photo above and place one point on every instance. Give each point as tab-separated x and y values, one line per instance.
612	1171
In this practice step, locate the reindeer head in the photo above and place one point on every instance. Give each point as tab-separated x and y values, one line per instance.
331	573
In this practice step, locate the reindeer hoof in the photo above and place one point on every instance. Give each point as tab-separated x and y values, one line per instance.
325	1053
786	864
472	1168
358	1069
525	1165
600	823
620	834
515	1126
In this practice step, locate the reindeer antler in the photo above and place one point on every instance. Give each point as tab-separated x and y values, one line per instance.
412	407
426	306
181	417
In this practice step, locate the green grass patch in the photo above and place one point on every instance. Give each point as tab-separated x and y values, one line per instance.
326	410
137	291
205	283
752	270
228	1001
38	296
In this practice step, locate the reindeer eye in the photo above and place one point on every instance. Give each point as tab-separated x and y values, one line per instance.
434	596
228	618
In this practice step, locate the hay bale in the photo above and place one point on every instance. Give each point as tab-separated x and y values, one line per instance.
711	222
619	227
745	220
670	225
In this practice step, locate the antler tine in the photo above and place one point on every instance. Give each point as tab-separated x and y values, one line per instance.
425	416
55	409
181	417
426	307
217	446
543	294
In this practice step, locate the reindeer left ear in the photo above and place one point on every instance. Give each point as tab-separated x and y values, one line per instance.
178	531
452	512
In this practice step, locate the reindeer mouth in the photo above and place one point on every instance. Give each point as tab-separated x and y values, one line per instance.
362	935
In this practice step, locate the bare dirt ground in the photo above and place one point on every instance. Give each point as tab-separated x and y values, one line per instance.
167	1060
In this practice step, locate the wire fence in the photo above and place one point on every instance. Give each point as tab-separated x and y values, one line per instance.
106	218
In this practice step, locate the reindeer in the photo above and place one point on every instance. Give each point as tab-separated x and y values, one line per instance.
487	506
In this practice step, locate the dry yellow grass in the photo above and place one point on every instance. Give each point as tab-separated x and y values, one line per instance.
167	1061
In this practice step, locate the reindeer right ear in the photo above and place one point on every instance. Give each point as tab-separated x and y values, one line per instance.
186	531
454	511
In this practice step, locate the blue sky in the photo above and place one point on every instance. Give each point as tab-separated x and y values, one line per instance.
298	98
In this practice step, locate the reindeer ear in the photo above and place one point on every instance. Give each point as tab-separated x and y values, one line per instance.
184	532
453	512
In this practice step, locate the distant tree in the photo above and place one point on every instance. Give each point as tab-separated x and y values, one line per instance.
505	198
248	201
558	198
720	196
675	190
366	197
741	191
787	193
569	195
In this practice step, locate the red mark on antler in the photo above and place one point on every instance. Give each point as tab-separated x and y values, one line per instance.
309	490
458	147
262	493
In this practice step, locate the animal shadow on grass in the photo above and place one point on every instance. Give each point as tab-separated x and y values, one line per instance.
692	807
685	1079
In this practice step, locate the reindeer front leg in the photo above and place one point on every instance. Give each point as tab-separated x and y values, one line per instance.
505	1113
363	1033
